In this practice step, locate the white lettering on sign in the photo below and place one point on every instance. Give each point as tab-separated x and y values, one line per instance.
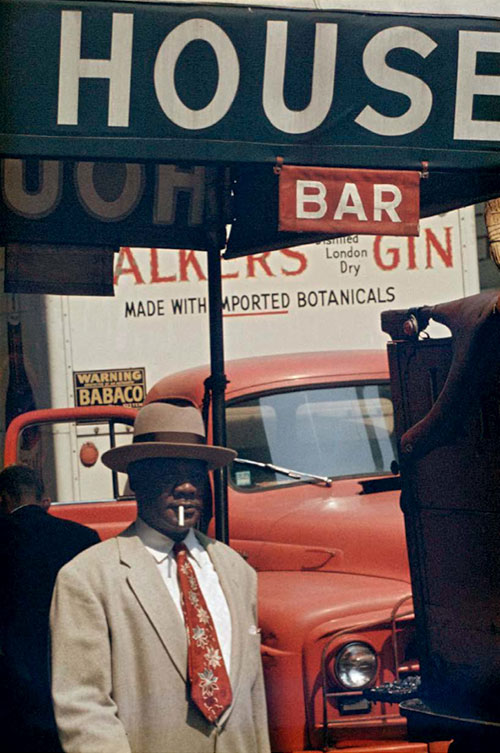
383	75
470	83
323	77
386	205
117	69
313	192
31	204
164	74
103	209
331	200
310	192
350	203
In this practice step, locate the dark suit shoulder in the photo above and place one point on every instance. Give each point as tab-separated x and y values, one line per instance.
35	518
48	540
77	529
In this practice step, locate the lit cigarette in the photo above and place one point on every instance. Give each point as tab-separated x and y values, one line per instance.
180	515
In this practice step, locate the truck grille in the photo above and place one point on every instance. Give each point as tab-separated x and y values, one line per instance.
351	705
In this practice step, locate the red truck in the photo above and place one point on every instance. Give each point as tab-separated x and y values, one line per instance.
314	507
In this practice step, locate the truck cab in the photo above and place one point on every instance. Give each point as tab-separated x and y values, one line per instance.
314	508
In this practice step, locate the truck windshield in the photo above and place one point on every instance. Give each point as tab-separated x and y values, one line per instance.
333	431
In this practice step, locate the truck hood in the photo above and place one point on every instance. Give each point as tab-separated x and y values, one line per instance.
293	604
337	530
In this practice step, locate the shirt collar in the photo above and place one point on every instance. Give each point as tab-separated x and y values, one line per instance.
161	545
21	507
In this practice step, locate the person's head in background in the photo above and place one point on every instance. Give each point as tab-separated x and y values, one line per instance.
20	486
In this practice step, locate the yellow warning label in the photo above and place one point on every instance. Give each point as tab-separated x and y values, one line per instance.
110	387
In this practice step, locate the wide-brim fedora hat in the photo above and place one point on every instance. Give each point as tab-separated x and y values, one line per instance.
164	430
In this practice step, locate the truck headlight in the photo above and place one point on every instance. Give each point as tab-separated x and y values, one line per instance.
355	665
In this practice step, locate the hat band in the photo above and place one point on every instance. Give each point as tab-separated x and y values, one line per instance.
173	437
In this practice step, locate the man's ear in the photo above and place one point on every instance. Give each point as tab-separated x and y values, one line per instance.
45	503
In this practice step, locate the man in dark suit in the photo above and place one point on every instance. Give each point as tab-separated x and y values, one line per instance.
39	545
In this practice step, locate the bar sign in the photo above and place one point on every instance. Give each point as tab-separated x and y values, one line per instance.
343	201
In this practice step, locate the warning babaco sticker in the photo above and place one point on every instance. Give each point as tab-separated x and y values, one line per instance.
110	387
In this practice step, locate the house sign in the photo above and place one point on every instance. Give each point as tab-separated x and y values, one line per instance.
234	83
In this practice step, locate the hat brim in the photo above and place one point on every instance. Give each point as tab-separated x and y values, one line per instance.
119	458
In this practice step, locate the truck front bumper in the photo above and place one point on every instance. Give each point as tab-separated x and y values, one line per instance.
387	747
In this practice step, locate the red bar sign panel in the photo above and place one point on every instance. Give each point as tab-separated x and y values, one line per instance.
343	201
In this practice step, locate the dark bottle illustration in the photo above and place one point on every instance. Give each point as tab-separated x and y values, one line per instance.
19	397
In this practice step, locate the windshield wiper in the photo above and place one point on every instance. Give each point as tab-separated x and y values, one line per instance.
287	471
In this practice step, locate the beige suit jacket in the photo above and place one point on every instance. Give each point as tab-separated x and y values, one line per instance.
119	657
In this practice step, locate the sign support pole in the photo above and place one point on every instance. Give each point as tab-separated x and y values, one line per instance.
217	383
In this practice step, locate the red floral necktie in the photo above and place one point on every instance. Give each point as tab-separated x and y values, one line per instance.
210	687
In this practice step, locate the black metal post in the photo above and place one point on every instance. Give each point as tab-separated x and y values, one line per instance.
215	224
218	388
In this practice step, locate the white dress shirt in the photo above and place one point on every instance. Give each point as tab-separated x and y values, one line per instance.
160	547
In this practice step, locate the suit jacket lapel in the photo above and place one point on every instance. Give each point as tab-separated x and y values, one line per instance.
151	592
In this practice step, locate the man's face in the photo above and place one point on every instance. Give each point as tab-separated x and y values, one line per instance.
162	485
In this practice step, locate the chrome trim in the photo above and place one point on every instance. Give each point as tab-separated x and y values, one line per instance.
395	616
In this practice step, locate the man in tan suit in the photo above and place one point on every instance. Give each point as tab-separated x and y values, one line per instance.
155	645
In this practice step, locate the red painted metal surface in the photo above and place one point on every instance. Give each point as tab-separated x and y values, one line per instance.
254	375
57	415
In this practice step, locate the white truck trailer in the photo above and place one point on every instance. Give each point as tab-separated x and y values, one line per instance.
61	351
